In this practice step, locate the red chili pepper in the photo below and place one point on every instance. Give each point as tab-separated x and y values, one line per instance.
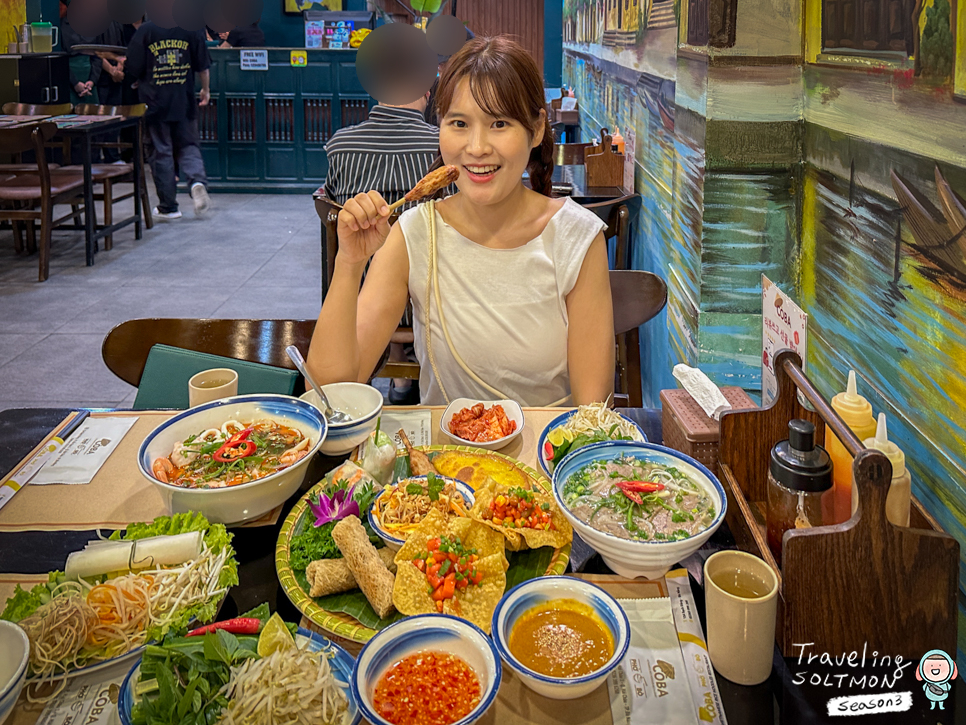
240	625
633	496
640	486
241	435
233	450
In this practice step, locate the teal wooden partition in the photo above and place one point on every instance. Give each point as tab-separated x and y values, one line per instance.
265	130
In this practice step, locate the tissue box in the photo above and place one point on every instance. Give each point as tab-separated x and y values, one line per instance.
686	428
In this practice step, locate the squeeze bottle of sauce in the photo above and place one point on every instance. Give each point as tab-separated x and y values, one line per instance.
899	500
618	141
856	411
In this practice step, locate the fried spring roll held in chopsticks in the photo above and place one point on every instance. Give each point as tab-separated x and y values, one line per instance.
374	579
429	185
333	576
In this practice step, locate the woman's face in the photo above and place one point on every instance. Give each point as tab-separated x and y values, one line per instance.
492	153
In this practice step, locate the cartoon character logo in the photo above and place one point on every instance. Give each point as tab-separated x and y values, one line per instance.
936	671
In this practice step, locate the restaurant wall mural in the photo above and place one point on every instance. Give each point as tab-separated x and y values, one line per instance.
824	148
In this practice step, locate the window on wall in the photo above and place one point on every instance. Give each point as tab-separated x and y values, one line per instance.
867	25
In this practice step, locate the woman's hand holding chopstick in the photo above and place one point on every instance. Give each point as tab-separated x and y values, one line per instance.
363	227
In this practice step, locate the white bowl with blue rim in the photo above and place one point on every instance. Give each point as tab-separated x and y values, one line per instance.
394	543
561	420
513	412
360	401
534	592
427	632
245	501
340	661
633	557
14	655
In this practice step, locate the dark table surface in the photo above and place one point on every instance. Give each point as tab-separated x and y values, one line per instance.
787	697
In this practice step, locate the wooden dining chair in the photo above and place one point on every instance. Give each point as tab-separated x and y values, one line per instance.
569	154
108	175
36	109
403	335
618	214
637	297
23	192
125	348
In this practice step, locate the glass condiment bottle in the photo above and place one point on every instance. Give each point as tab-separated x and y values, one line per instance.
899	499
799	475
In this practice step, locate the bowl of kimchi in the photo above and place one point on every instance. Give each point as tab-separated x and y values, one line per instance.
233	459
488	424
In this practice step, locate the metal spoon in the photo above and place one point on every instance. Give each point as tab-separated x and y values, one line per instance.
334	416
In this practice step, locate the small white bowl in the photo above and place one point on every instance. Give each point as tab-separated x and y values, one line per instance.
394	543
245	501
14	655
435	632
513	411
363	402
630	557
529	594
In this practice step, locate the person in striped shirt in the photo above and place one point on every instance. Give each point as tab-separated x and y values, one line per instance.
388	153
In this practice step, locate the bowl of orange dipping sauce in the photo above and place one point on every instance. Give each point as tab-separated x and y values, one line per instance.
562	636
430	669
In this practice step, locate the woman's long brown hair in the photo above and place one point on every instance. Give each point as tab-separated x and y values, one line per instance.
506	83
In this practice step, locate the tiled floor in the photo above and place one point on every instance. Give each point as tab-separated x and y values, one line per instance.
254	256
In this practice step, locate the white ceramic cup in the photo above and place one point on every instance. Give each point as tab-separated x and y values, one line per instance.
213	384
741	629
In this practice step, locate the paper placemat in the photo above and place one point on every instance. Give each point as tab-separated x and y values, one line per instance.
117	496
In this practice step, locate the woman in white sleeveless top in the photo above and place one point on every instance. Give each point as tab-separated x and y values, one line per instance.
510	288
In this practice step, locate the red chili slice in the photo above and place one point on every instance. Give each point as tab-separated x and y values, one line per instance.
233	450
640	486
239	625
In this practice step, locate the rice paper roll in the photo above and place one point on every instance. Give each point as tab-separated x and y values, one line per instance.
374	579
332	576
378	457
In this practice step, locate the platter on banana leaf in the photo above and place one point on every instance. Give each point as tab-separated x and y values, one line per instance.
349	614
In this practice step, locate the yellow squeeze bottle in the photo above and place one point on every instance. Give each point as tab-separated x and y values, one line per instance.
899	500
856	411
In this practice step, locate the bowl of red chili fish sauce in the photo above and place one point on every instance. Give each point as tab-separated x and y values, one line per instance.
431	669
562	636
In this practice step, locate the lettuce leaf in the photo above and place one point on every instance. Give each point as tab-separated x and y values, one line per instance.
23	603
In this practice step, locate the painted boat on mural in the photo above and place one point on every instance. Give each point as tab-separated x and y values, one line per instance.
657	95
953	207
934	234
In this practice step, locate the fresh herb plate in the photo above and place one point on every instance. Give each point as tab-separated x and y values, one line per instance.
562	420
341	663
349	615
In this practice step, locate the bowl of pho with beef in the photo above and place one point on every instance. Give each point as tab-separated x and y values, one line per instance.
641	506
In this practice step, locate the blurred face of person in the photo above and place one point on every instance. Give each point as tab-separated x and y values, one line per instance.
491	152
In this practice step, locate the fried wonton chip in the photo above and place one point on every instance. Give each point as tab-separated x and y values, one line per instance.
475	603
475	468
524	538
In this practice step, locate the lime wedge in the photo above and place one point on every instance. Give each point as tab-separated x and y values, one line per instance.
275	637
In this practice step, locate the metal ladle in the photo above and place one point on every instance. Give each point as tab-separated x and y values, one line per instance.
332	415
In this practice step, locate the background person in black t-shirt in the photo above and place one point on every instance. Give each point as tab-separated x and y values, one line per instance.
164	62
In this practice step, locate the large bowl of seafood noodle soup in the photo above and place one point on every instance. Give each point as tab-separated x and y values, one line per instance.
233	459
641	506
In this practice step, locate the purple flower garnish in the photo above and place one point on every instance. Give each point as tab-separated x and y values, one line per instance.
338	506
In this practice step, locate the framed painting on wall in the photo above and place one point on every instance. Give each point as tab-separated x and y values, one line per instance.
295	7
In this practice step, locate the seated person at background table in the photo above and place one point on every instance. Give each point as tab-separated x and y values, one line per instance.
388	153
85	70
246	36
164	62
523	282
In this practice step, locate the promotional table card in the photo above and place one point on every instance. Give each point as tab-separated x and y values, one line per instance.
79	460
784	326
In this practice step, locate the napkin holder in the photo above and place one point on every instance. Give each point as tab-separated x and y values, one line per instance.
604	167
862	583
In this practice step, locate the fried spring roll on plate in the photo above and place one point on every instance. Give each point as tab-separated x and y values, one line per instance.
371	574
332	576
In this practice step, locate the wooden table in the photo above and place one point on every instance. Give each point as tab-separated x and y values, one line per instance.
780	700
85	133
